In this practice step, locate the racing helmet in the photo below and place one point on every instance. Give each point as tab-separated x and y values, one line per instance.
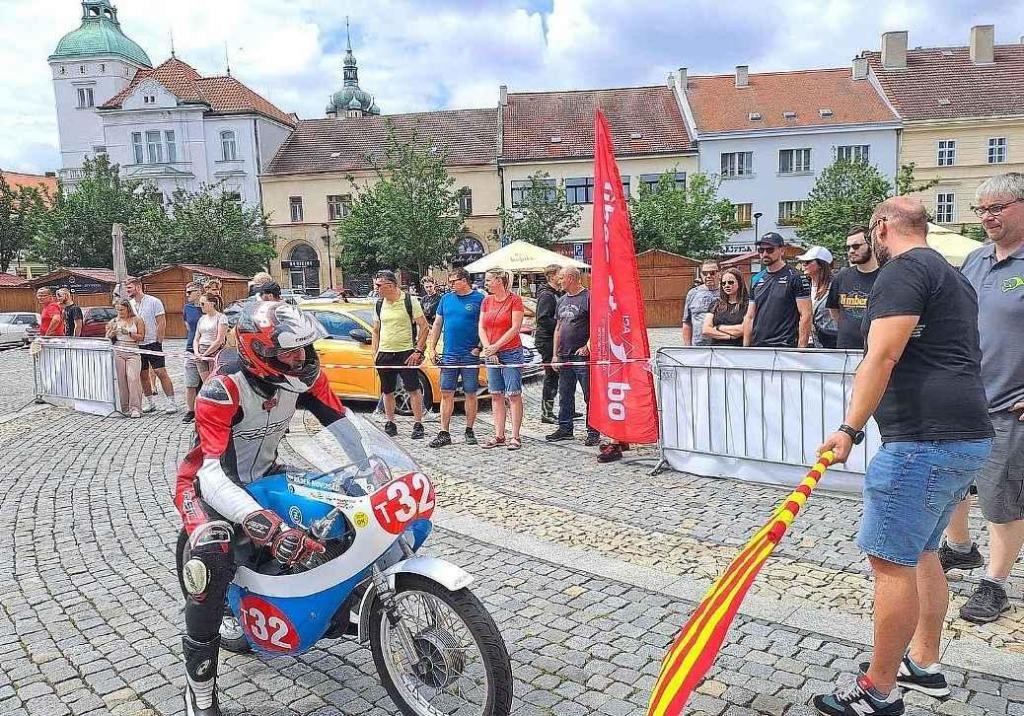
265	330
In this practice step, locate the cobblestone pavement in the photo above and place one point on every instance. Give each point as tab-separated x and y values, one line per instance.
90	612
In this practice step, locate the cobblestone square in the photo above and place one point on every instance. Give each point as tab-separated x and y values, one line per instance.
589	571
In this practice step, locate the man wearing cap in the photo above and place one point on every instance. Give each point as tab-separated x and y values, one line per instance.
779	313
849	292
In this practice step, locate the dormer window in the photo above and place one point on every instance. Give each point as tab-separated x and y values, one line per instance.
556	140
149	99
789	115
824	112
754	116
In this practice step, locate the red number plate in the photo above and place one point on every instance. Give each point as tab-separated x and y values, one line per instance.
267	626
403	500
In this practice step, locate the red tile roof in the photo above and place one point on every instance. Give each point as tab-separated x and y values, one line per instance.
17	179
469	137
223	94
102	275
718	105
531	119
211	271
7	279
943	83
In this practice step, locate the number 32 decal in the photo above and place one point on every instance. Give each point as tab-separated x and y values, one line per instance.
267	626
409	497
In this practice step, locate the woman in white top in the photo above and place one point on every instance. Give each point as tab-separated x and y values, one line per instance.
211	333
126	331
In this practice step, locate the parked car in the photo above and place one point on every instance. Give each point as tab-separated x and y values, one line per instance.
18	329
95	320
294	296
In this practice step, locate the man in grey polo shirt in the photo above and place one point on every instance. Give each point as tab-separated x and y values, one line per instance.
996	271
697	304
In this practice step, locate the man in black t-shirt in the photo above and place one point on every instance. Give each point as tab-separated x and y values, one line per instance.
572	354
73	317
779	314
850	289
921	379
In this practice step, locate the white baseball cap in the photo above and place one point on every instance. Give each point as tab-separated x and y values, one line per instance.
816	252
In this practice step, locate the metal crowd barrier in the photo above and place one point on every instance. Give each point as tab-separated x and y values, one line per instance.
757	414
76	373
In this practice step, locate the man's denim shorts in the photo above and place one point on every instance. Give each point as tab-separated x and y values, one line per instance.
502	379
910	491
453	367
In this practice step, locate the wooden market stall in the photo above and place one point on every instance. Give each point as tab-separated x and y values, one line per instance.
665	279
168	284
91	286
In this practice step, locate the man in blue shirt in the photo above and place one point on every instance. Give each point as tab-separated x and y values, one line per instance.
191	313
458	318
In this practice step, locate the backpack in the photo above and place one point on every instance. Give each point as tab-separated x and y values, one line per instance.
408	309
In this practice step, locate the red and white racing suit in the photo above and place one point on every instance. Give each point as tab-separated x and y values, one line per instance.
240	421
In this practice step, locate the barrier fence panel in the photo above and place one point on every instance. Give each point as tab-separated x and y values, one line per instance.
757	414
76	373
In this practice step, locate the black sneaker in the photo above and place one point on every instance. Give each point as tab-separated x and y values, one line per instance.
593	439
986	604
560	434
854	700
951	559
929	681
189	417
443	438
390	429
417	431
470	437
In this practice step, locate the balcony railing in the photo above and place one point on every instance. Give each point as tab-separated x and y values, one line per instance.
69	176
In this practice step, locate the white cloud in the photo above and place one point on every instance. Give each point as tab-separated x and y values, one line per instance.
417	56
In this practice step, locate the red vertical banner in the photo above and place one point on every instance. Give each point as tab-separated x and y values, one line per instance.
622	404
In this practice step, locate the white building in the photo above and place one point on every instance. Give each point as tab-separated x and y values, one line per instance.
768	136
167	125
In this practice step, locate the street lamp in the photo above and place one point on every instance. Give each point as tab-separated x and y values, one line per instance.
757	215
330	261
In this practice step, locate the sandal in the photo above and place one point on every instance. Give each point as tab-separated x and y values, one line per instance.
493	443
514	443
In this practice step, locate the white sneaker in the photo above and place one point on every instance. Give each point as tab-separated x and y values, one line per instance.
169	406
150	405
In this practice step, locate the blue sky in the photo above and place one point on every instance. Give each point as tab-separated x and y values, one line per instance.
418	56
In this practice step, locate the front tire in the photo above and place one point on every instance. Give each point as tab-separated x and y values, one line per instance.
458	652
232	638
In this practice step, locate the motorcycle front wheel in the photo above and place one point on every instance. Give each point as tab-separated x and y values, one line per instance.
462	667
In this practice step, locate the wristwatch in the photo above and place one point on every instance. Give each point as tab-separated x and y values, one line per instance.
856	435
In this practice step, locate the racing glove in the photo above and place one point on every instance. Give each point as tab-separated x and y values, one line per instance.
262	527
293	546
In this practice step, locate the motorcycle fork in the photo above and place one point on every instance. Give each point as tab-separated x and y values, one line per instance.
387	597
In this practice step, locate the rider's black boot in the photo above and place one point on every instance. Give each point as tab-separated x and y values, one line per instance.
201	677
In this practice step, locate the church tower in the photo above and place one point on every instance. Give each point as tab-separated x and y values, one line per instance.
89	66
350	100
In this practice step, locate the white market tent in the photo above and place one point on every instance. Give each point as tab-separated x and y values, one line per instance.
953	247
521	257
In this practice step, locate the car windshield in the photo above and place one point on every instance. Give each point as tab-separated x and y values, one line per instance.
6	318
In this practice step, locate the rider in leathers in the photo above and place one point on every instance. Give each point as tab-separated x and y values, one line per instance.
241	417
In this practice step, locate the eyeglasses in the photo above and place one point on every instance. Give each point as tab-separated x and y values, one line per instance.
856	247
708	273
993	209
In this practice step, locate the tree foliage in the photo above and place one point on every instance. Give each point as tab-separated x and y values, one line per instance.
844	195
408	219
21	210
689	220
543	216
906	184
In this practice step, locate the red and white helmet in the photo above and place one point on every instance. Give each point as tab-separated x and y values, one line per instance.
265	330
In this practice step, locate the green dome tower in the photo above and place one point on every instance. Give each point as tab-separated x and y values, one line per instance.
350	100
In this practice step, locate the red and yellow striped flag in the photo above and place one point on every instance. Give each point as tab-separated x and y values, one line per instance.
696	647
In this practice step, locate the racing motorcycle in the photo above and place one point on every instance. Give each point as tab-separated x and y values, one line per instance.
436	649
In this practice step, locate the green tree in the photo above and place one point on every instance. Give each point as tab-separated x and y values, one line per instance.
542	217
844	194
21	210
689	220
905	183
75	230
409	218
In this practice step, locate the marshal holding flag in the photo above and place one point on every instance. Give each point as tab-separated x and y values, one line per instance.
622	404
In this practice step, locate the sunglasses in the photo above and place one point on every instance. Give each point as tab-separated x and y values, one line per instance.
856	247
730	283
708	273
767	249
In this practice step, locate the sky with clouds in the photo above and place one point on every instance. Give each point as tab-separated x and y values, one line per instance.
436	54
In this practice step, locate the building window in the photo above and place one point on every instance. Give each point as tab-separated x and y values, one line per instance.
172	149
140	153
579	191
233	196
337	206
466	201
854	153
149	99
98	149
997	150
228	147
85	98
737	164
625	186
154	149
521	190
794	161
790	212
651	181
744	215
295	205
945	208
947	152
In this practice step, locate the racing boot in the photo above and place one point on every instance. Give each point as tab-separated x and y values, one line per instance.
201	677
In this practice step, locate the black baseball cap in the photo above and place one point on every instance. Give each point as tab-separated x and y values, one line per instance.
273	288
772	238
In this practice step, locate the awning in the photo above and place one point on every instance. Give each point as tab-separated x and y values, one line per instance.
521	257
953	247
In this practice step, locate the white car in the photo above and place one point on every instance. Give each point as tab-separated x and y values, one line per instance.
14	328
